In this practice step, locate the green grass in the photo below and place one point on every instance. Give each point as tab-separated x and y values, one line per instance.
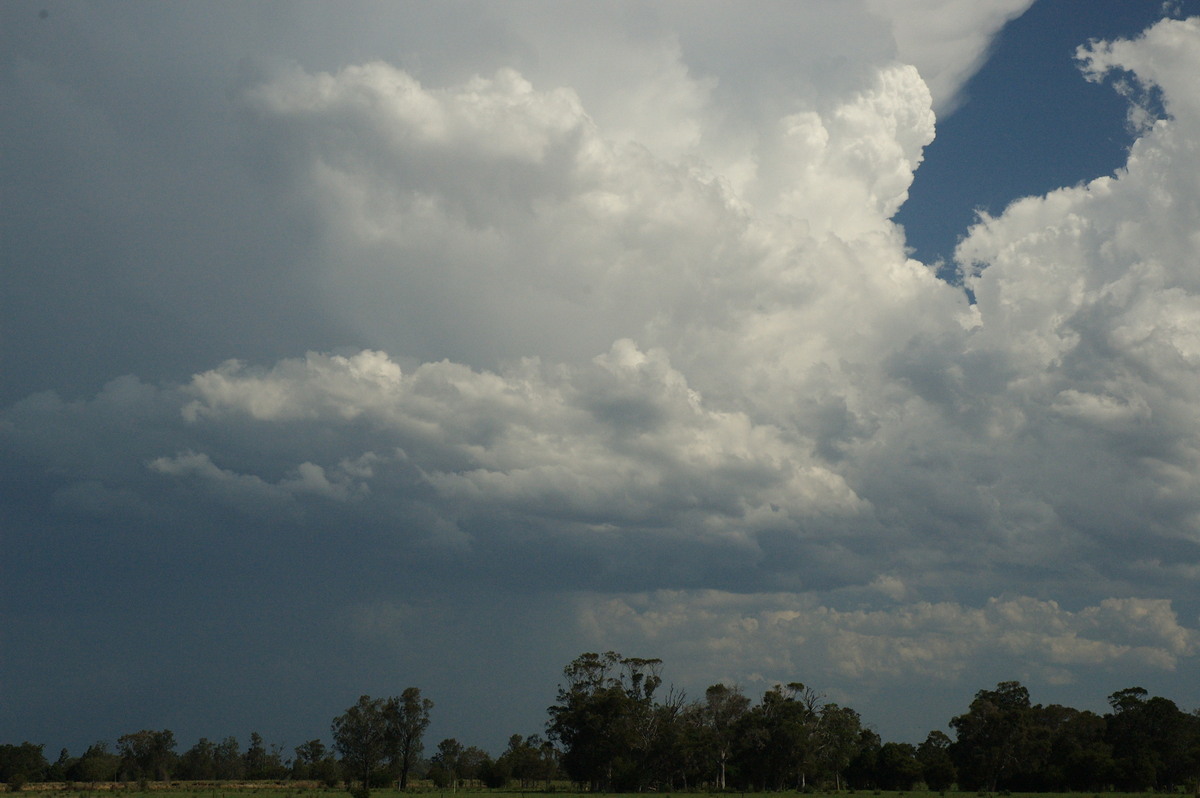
292	790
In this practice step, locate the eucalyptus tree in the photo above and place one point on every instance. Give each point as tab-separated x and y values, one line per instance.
530	760
22	763
837	740
230	763
607	722
993	736
360	737
406	717
777	737
198	763
147	754
446	764
314	761
590	719
937	768
262	762
308	754
719	714
863	766
97	763
897	767
1155	744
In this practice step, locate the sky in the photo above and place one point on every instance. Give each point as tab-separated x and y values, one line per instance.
351	347
1058	130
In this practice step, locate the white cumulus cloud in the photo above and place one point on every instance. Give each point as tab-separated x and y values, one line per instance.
769	636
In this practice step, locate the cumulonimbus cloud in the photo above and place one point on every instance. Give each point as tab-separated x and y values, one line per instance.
711	377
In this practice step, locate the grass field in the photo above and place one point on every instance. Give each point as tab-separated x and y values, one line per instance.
293	790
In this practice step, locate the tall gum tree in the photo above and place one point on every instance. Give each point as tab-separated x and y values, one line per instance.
607	722
406	718
992	735
360	737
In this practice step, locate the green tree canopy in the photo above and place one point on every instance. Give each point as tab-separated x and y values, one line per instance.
406	717
147	754
360	737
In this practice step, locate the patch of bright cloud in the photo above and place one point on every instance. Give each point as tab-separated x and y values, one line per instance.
775	635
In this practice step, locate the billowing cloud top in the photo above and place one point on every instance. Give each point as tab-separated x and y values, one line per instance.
616	332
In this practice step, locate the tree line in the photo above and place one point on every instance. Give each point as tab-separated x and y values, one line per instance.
615	733
614	727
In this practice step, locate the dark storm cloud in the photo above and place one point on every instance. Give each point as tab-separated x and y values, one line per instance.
593	360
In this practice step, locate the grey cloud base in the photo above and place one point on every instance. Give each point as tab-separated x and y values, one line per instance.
659	382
